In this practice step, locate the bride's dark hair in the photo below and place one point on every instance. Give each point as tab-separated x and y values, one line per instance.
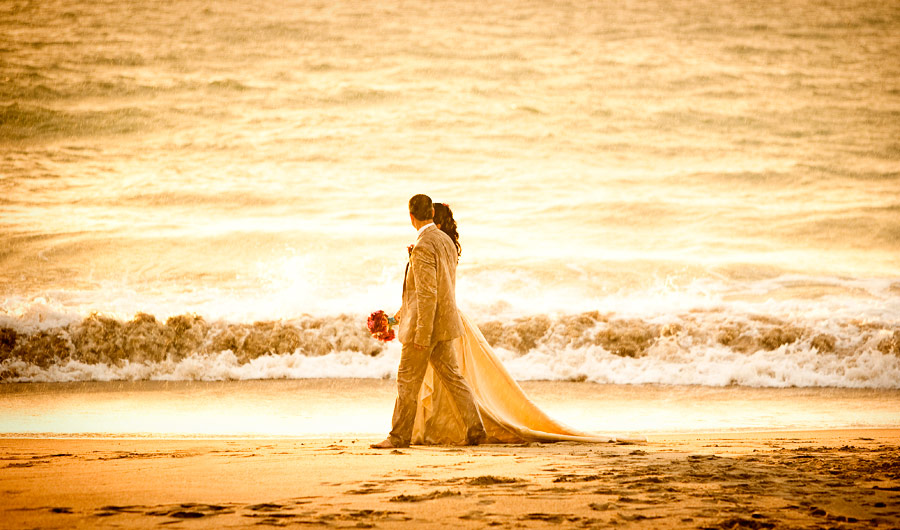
444	216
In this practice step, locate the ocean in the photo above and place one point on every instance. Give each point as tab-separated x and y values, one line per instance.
690	193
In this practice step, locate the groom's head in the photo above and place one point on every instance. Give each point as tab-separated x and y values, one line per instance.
421	208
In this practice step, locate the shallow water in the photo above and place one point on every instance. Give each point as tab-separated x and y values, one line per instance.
363	407
720	182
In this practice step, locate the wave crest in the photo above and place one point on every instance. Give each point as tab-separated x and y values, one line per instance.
100	339
634	337
705	348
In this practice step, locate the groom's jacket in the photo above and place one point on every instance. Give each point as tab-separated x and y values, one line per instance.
429	314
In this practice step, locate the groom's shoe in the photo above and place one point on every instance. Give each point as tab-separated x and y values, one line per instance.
478	439
386	444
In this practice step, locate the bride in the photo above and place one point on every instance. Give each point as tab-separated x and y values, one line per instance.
509	416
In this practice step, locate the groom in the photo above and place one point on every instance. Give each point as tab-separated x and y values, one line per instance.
429	322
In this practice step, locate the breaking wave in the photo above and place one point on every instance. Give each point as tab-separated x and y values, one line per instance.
701	348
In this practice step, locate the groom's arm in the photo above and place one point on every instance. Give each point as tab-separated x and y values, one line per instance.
424	269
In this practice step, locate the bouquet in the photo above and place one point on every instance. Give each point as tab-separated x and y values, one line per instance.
380	325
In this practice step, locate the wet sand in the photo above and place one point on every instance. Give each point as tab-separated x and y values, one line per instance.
814	479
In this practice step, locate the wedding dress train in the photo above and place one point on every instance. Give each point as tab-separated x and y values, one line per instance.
508	415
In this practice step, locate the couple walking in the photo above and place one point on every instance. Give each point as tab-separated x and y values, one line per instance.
451	387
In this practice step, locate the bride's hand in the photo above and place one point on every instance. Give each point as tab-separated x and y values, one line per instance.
397	316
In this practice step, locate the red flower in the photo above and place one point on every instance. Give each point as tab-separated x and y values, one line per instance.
380	327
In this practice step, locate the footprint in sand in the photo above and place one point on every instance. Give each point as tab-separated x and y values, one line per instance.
190	511
550	517
490	480
367	489
110	510
425	497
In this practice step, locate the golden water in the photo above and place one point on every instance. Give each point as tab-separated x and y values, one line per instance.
726	169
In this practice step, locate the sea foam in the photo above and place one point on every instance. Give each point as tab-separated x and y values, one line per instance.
680	338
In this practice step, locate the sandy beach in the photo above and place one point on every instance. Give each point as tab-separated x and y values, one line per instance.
812	479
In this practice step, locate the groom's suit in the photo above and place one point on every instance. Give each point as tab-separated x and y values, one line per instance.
429	318
429	312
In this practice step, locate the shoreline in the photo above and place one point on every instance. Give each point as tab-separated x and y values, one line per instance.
848	478
310	408
655	437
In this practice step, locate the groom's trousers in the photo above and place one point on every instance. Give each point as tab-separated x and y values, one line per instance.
413	364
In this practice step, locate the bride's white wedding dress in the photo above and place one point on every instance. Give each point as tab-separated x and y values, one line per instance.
508	415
